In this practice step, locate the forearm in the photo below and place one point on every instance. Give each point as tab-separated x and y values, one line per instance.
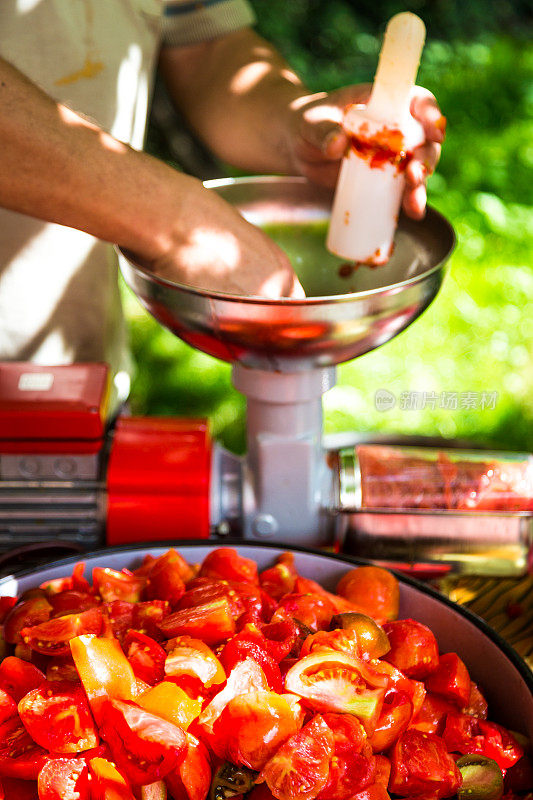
57	166
238	94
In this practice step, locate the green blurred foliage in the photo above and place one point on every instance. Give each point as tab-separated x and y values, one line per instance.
478	334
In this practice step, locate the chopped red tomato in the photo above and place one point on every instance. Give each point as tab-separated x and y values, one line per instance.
225	563
477	705
52	638
431	717
422	766
450	680
113	585
191	780
25	614
70	602
352	766
211	622
75	582
314	610
19	789
466	734
248	644
144	747
166	578
8	707
193	658
243	678
300	767
57	716
394	718
330	681
146	657
20	757
6	604
280	638
252	727
281	578
61	668
414	649
18	677
64	779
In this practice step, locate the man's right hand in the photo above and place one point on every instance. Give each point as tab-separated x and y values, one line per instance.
207	244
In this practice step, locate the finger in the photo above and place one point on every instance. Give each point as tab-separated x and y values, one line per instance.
296	291
414	201
426	110
423	163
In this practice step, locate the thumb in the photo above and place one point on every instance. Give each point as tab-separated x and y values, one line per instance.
326	136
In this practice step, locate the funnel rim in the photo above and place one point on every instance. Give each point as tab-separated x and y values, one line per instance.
317	300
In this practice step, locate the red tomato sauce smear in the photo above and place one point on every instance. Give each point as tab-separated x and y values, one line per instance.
180	681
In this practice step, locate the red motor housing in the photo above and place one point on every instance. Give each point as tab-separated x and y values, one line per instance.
158	480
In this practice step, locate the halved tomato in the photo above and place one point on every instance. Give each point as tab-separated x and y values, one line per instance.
144	747
64	779
52	638
57	716
251	728
300	767
422	767
331	681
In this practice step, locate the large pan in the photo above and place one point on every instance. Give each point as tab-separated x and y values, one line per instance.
493	664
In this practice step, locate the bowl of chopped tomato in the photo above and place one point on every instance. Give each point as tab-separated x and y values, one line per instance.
251	671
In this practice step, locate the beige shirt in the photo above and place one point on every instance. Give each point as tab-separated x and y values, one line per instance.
59	296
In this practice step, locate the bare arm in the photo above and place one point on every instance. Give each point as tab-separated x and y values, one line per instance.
58	166
253	111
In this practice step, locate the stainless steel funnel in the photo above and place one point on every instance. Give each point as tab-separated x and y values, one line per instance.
324	329
283	350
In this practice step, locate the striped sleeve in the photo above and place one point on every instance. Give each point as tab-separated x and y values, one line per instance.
192	21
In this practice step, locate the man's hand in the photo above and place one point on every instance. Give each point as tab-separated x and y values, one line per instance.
208	245
318	141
